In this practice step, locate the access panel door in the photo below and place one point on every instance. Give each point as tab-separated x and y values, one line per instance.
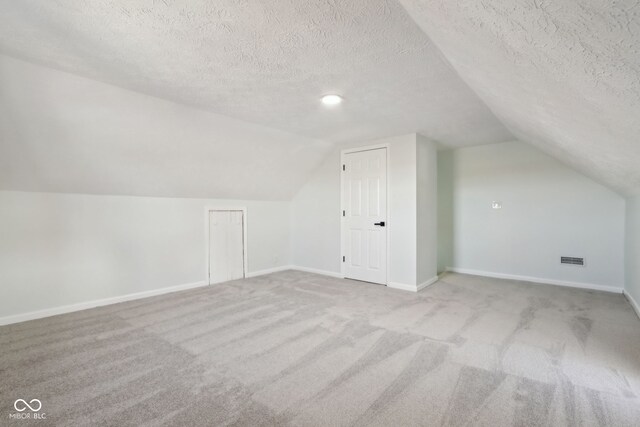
226	246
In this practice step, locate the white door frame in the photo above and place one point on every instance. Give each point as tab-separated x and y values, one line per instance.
245	247
343	229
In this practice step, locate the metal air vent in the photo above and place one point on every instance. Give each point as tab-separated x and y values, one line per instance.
571	260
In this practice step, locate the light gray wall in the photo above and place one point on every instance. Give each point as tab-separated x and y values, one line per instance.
316	213
315	219
549	210
427	212
62	249
402	199
445	210
632	284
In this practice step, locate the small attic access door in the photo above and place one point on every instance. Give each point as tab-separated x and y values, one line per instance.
226	245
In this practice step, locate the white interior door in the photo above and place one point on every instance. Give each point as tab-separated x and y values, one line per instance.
364	217
226	246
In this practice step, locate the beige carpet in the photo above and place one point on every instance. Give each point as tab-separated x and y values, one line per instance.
294	348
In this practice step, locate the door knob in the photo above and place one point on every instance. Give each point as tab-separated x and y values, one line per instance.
381	223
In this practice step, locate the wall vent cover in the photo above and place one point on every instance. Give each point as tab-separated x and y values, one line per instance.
571	260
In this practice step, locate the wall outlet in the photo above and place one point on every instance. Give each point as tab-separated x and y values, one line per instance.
496	205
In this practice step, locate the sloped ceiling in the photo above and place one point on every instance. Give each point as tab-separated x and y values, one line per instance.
63	133
266	62
562	75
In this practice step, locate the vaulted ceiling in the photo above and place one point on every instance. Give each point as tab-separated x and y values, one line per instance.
266	62
564	76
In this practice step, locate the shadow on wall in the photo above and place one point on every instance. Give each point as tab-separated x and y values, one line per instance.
445	210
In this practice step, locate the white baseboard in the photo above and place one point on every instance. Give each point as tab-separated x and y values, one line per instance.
269	271
402	286
429	282
393	285
39	314
316	271
412	288
633	302
48	312
590	286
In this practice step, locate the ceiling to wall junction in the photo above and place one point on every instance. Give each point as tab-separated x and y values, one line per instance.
563	76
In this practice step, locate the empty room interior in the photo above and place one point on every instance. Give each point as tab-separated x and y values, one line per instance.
320	213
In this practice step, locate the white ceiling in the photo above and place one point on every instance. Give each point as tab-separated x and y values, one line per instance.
266	62
562	75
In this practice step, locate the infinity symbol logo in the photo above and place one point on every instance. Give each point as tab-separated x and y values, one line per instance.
21	405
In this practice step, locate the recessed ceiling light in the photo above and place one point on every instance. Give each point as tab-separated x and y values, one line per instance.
331	99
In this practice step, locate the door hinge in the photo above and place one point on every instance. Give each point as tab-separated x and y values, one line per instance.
344	168
343	259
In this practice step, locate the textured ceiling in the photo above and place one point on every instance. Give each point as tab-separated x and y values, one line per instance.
266	62
562	75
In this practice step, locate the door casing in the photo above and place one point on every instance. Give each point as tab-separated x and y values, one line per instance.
207	244
389	222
